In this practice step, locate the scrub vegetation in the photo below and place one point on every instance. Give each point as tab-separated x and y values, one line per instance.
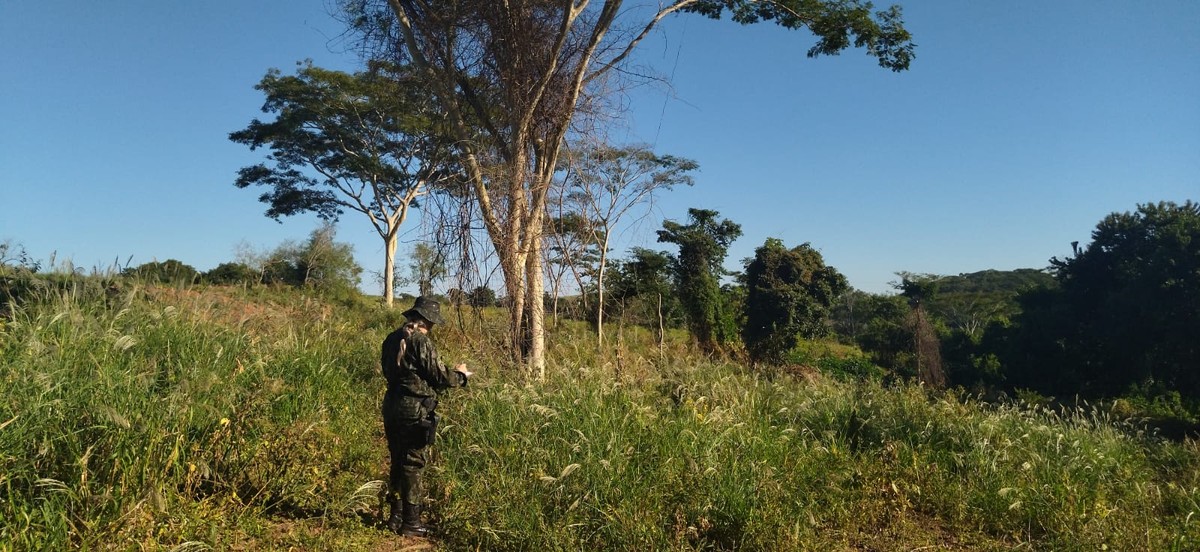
142	416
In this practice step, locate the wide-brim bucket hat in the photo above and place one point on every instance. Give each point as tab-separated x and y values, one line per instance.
426	308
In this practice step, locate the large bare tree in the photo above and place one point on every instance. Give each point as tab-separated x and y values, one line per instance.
512	75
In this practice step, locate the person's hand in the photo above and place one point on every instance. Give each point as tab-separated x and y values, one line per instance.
462	368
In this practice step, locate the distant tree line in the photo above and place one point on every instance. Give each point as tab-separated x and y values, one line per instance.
1119	317
319	263
1124	315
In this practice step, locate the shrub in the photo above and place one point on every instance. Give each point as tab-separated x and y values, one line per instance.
232	274
170	271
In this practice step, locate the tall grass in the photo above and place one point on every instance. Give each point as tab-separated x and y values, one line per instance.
183	419
724	460
165	421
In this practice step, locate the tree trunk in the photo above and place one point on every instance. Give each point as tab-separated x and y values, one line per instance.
917	338
556	291
536	306
389	268
662	330
515	288
600	291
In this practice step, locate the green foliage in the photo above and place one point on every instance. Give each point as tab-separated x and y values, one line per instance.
703	244
733	297
956	310
878	325
969	302
170	271
836	25
607	181
851	368
967	363
641	288
248	419
427	265
1158	401
789	293
336	132
603	184
320	263
836	361
1126	310
482	296
918	288
366	142
987	282
232	274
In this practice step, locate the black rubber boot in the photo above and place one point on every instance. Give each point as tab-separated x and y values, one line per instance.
395	522
412	526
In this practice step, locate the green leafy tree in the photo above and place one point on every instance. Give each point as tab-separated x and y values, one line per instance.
879	325
789	293
169	271
427	265
481	296
698	268
642	282
320	263
1126	311
515	77
969	302
964	306
232	274
364	142
642	290
962	312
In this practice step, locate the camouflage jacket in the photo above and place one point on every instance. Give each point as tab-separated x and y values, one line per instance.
411	365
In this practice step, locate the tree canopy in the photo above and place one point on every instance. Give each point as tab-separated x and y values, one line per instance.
969	302
1126	310
320	263
789	293
364	142
513	77
605	183
703	244
169	271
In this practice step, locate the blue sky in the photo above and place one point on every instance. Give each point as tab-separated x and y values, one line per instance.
1019	126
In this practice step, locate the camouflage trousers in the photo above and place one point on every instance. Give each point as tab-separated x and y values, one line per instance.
409	451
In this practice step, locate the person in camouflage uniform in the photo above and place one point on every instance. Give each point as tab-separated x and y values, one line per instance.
414	375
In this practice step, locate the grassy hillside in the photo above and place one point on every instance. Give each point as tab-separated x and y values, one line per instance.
217	419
